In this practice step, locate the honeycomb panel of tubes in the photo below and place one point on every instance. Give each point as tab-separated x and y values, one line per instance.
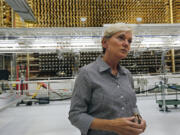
19	22
176	11
68	13
5	14
1	13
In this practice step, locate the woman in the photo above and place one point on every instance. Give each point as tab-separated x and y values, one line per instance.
103	101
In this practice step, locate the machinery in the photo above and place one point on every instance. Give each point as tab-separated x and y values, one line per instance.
42	95
164	86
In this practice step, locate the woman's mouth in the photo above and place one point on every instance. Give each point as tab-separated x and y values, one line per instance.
124	51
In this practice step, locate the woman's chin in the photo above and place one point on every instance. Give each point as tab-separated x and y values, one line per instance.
122	56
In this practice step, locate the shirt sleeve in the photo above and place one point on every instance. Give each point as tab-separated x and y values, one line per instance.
79	103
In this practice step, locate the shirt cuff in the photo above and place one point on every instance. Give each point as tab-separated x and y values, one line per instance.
136	111
84	123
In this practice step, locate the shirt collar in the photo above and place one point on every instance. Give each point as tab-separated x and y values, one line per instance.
103	66
122	70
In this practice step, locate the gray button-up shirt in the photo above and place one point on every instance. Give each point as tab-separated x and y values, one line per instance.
99	94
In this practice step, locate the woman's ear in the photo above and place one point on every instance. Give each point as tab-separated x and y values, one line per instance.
104	43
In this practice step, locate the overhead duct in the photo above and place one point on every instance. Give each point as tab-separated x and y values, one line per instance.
23	9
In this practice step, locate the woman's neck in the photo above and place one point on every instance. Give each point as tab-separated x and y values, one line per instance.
112	62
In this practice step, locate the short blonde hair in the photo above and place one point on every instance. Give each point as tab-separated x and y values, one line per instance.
114	28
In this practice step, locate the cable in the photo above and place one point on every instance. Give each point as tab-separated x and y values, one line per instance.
138	92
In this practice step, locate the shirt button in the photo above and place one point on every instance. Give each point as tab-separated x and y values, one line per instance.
122	97
118	86
122	108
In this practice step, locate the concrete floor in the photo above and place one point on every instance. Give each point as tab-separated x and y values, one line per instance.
52	119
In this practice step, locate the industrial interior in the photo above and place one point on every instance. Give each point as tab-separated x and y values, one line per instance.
43	44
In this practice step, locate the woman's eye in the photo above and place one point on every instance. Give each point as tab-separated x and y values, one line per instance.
130	41
121	37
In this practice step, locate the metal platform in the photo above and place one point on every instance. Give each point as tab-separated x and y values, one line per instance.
174	102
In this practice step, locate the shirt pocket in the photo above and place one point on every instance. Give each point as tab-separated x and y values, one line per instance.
115	105
110	104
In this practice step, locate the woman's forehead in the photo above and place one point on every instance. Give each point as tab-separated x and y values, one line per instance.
125	33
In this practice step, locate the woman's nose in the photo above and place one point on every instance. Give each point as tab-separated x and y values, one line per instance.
126	43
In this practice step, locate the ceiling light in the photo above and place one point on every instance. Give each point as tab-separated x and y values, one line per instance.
83	19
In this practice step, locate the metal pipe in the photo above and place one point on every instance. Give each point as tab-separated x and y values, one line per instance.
2	12
28	66
13	18
173	60
171	11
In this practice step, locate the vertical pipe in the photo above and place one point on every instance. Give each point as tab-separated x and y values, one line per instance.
173	60
172	51
27	71
14	65
1	13
13	18
11	67
171	11
28	64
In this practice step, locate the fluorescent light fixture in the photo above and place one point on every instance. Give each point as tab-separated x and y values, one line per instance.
177	42
83	19
152	41
22	8
139	19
